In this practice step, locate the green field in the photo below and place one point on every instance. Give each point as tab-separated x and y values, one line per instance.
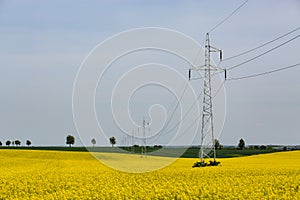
171	152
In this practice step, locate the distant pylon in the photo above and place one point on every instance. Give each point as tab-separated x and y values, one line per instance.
207	128
145	128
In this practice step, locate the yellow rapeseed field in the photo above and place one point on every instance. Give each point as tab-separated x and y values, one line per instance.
26	174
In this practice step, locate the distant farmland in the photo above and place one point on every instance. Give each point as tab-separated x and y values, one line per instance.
171	151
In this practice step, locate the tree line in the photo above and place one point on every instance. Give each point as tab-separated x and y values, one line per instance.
15	142
70	140
242	145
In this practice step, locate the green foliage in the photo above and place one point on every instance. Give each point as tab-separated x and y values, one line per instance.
262	147
8	142
217	144
28	143
70	140
241	144
200	164
93	141
112	141
17	142
205	164
270	148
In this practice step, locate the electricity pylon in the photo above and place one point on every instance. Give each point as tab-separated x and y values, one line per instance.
207	128
144	128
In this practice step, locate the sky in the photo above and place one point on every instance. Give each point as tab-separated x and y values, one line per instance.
44	43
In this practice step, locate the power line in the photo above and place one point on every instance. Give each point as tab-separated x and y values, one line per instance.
264	44
195	120
264	73
178	102
189	110
179	121
217	91
183	91
242	63
221	22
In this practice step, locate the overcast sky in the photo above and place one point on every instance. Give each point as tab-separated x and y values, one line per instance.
43	44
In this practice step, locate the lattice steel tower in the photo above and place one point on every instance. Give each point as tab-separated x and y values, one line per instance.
144	129
207	128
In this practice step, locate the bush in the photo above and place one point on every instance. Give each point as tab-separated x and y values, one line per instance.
262	147
204	164
270	148
284	149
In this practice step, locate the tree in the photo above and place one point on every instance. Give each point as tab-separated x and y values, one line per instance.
270	148
8	143
262	147
217	144
70	140
17	142
285	149
93	141
28	143
0	143
241	144
112	141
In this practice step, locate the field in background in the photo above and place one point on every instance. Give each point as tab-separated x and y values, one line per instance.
27	174
172	152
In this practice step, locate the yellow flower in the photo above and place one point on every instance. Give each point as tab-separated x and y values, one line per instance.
36	174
